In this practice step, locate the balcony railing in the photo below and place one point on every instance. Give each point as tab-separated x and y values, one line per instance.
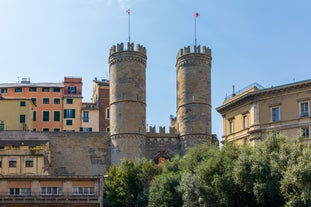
52	199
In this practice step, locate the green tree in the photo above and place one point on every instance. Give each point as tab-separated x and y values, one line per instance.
296	181
127	183
163	189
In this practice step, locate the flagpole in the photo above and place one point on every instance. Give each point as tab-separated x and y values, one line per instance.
129	23
195	31
196	14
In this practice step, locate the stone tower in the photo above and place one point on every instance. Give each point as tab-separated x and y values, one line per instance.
127	68
193	73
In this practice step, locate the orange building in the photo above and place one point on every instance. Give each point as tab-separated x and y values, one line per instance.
57	106
47	99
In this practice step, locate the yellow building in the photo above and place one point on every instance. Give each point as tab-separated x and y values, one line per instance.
16	113
72	104
255	111
24	157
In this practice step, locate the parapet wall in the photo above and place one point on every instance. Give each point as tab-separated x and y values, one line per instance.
197	49
130	47
162	142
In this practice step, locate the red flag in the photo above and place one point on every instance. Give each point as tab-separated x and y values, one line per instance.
128	11
196	14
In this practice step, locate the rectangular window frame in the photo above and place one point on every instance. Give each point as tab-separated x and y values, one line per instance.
32	89
275	114
56	90
45	89
18	90
12	162
45	115
56	101
69	101
46	101
304	109
29	162
22	103
22	118
305	132
57	116
86	116
4	90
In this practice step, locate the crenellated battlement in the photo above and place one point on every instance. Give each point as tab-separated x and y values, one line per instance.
162	133
130	47
196	49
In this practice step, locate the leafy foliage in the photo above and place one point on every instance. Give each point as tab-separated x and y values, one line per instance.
274	173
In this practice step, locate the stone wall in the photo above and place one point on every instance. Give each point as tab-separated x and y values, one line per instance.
79	153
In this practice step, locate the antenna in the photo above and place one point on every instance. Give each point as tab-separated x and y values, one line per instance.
129	22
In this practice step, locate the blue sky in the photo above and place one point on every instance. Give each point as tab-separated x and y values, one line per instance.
264	41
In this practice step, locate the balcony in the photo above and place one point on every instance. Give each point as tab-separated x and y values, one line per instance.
51	199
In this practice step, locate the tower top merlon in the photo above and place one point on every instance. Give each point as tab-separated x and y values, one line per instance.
196	50
130	47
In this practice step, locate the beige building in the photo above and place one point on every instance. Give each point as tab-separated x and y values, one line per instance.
16	113
24	157
255	111
90	118
51	191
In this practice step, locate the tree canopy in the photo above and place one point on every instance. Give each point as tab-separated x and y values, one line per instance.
275	172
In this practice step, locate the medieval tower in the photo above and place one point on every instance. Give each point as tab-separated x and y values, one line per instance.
193	74
127	68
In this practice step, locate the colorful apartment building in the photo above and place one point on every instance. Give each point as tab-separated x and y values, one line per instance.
56	106
26	178
72	103
252	113
101	99
16	113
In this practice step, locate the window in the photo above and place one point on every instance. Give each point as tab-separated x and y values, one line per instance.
45	89
56	129
83	190
245	121
56	90
107	112
107	129
305	132
275	114
82	129
0	163
46	100
85	116
28	162
32	89
34	100
4	90
34	115
68	122
56	115
22	118
22	103
20	191
18	90
46	116
12	162
72	90
51	190
34	129
56	101
231	126
69	101
69	113
46	129
304	109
